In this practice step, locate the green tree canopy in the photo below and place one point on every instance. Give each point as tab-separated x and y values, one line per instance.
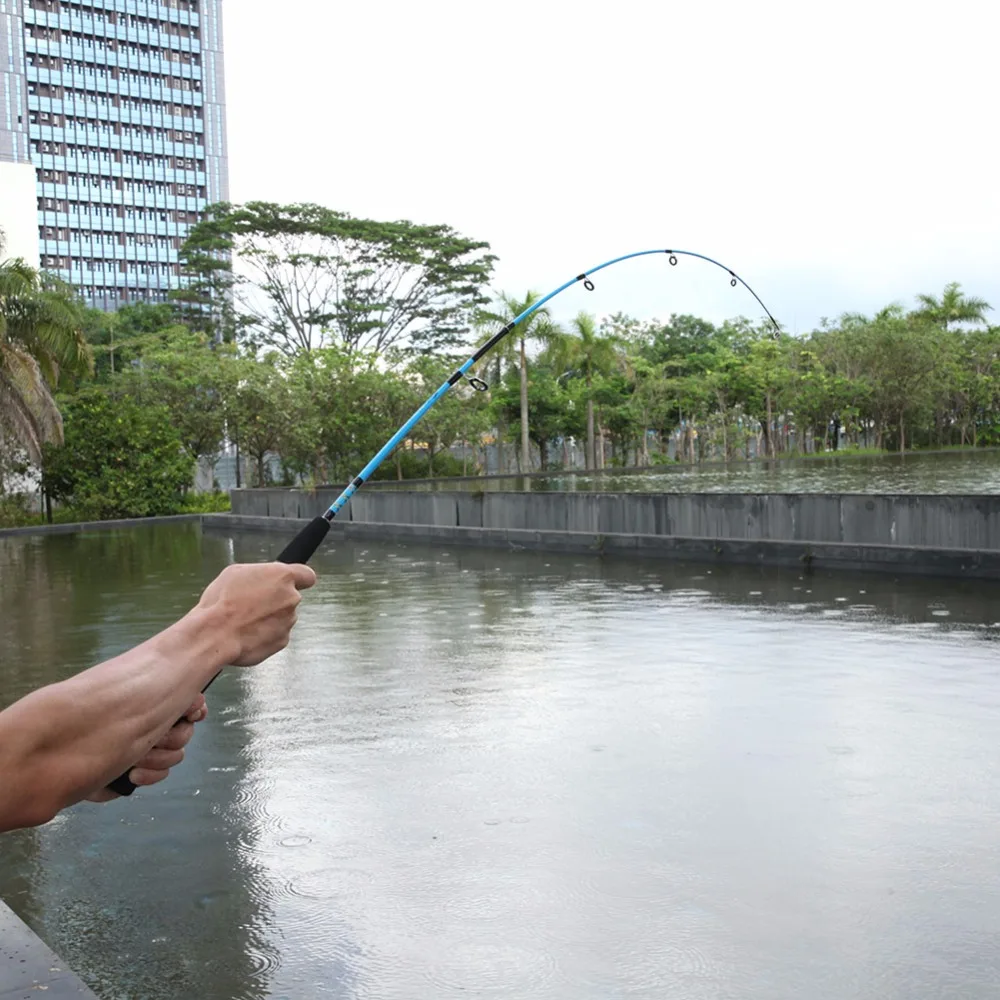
307	277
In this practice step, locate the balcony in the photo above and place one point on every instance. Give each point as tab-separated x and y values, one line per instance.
102	29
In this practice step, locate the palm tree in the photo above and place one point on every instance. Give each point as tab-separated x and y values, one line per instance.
954	306
539	327
41	336
591	354
502	356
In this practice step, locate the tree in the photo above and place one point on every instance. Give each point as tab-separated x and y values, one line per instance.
312	277
901	353
41	340
192	379
592	355
764	380
650	401
119	340
954	306
980	392
340	408
120	458
723	380
257	410
500	359
537	327
446	422
684	338
550	404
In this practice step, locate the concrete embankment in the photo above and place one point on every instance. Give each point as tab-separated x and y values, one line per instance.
934	535
28	968
923	534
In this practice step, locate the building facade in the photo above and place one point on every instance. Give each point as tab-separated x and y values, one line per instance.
119	107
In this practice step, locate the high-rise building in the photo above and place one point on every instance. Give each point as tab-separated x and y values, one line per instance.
118	106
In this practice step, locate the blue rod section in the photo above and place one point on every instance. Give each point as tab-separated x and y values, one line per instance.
400	435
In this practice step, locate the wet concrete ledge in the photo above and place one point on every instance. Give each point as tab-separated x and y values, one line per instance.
895	559
979	522
29	968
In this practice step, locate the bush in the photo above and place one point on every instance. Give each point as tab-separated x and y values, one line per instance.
415	466
206	503
119	459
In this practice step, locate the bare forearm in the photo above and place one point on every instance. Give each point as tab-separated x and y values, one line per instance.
63	742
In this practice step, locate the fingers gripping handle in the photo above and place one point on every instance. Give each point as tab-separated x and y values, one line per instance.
299	550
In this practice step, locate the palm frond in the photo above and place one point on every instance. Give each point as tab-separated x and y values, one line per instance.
27	407
18	422
40	314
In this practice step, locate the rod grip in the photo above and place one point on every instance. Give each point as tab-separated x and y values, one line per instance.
299	550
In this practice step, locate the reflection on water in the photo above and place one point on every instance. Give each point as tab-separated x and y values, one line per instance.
943	472
481	774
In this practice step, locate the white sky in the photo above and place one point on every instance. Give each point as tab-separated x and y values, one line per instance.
838	156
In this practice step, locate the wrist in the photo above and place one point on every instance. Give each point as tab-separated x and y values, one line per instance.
206	636
216	625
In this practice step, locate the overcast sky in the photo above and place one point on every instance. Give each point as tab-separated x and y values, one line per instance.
838	156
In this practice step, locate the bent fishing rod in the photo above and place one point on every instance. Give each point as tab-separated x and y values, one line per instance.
301	548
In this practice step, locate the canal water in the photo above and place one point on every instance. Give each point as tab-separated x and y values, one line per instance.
480	774
930	472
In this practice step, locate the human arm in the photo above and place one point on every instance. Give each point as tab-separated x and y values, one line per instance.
65	742
165	755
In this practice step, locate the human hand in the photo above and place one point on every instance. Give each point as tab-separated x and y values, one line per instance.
255	604
167	753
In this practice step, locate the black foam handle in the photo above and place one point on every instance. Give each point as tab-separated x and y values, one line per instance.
299	550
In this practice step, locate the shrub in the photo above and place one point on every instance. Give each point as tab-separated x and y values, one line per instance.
119	459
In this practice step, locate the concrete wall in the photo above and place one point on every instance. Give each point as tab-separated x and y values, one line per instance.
930	521
895	559
956	536
28	968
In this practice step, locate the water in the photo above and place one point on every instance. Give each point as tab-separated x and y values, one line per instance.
941	472
494	775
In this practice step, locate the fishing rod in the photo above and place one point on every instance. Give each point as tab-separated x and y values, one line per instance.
301	548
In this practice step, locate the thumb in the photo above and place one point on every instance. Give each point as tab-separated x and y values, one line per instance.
302	576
